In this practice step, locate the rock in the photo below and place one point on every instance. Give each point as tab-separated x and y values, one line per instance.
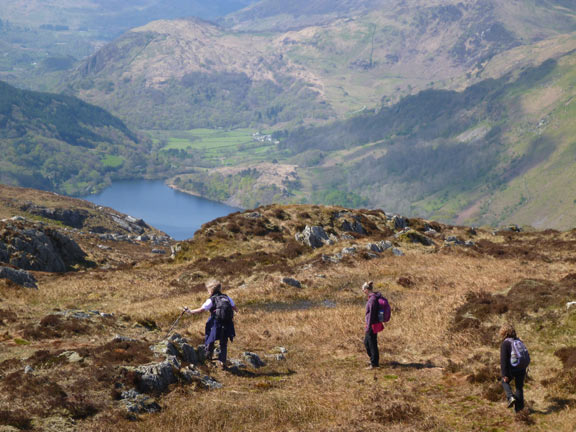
103	247
20	277
281	349
71	356
191	374
72	217
346	237
253	360
413	236
397	252
142	238
253	215
348	250
313	236
399	222
38	248
158	251
335	259
157	377
28	369
184	351
374	247
119	338
354	226
139	403
291	281
571	305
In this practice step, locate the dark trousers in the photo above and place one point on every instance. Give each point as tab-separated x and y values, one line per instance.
518	378
223	349
371	344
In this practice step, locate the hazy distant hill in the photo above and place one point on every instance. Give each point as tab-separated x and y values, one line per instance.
188	73
40	39
60	143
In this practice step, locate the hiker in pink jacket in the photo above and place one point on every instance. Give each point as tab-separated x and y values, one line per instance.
373	324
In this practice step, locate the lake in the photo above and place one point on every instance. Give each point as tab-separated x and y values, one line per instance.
176	213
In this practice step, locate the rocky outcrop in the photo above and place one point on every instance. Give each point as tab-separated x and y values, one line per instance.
74	218
19	277
35	247
314	236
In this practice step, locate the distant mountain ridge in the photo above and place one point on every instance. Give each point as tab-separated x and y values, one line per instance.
182	74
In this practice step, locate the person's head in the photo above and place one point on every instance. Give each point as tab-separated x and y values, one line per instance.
507	331
368	288
213	286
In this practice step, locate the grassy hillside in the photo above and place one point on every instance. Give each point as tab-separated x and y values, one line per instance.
495	153
60	143
439	353
186	73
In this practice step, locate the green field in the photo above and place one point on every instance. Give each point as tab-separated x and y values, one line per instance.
215	146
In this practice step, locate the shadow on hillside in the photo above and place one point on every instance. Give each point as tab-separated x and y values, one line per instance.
397	365
241	372
558	404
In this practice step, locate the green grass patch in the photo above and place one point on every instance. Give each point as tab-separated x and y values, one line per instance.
111	161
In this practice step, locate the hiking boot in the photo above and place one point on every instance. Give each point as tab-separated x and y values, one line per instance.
221	365
371	367
511	401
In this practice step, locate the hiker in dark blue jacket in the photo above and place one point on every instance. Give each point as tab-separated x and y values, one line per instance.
217	328
508	371
372	324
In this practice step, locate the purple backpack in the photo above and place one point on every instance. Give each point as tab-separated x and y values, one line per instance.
384	310
519	356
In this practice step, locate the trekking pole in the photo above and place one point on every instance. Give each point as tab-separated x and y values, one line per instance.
174	324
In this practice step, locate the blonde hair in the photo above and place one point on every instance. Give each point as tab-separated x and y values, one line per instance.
368	286
213	286
507	331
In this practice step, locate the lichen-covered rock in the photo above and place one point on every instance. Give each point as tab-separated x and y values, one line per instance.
72	217
139	403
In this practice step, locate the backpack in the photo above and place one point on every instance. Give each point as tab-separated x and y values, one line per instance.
384	310
222	308
519	356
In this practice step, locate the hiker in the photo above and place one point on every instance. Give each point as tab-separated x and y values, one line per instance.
220	325
514	359
373	324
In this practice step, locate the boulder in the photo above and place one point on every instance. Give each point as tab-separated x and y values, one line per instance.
157	377
291	281
253	359
314	236
20	277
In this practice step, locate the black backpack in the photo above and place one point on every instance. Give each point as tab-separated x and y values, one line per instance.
222	308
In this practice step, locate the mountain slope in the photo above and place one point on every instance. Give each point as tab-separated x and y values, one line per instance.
60	143
180	70
501	151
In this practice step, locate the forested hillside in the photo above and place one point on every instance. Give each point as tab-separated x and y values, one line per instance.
60	143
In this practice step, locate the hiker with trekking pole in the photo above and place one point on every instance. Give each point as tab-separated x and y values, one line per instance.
220	325
514	359
377	313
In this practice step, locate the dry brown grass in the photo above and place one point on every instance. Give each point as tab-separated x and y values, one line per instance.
434	377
